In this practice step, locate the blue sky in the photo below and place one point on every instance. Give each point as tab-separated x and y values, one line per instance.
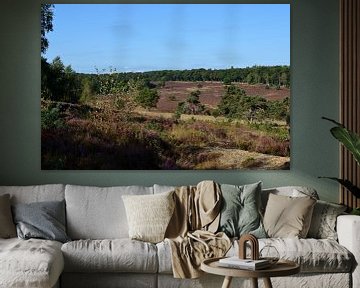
144	37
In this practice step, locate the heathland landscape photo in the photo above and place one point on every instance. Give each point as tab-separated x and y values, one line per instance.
165	86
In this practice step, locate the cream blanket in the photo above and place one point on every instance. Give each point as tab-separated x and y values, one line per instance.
191	231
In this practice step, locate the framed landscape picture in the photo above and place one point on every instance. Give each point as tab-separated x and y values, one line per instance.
165	86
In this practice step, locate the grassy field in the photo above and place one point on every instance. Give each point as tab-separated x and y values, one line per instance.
96	135
211	92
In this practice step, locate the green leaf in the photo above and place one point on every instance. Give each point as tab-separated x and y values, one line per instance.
355	211
333	121
348	185
348	138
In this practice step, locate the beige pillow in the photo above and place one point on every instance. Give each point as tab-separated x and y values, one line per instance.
7	226
288	217
149	215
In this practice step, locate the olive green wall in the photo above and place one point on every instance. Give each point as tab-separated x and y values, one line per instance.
314	67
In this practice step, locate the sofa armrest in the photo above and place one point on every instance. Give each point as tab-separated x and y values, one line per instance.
348	230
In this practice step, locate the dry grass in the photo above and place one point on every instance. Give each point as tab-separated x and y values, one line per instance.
97	136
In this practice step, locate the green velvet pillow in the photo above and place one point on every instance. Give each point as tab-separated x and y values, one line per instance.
240	213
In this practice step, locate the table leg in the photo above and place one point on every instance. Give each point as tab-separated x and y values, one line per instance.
254	282
267	283
227	282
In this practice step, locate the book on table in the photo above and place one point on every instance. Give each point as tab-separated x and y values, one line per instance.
249	264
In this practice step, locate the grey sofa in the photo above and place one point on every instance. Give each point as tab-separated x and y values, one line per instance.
101	254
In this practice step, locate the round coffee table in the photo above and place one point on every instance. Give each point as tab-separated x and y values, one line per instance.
281	268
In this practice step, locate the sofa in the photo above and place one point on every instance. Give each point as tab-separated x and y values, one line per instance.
100	253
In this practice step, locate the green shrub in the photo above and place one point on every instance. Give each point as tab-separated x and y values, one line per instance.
86	93
59	83
51	118
147	98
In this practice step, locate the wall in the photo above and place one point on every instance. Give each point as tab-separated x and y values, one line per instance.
314	64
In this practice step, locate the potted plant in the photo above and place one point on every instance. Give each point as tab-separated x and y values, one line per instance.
351	141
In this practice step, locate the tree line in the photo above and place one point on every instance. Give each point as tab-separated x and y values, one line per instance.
270	75
62	83
274	76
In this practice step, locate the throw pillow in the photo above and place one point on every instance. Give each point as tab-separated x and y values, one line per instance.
7	227
288	217
292	191
323	222
44	220
149	215
240	213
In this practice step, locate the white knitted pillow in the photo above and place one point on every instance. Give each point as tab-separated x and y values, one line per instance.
149	215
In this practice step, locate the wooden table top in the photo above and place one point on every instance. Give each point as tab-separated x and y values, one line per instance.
281	268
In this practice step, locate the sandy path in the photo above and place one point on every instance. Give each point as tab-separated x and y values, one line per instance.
220	158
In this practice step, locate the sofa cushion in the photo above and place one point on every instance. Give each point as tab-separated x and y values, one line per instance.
163	188
30	263
323	222
164	257
291	191
7	226
43	220
287	216
98	213
117	255
149	215
36	193
240	210
313	255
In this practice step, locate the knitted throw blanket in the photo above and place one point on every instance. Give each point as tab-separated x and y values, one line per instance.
191	232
